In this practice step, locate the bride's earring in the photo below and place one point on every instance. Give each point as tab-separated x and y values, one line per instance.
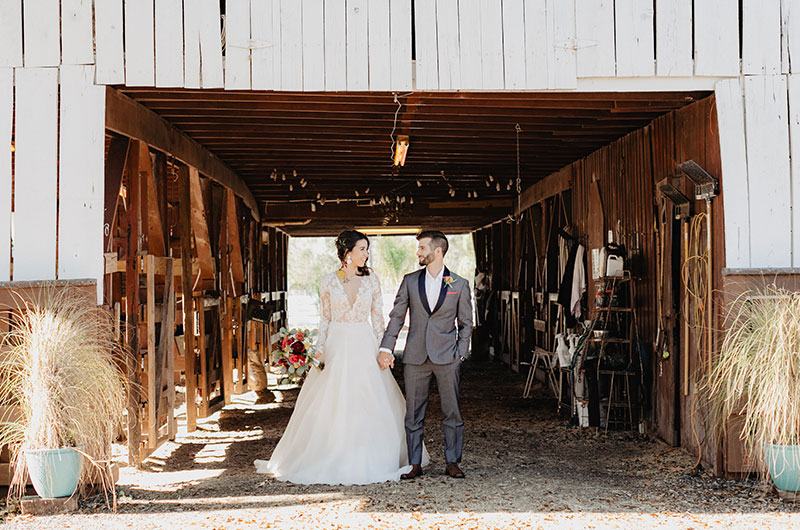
349	260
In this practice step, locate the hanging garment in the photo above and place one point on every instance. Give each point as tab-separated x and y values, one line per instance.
578	283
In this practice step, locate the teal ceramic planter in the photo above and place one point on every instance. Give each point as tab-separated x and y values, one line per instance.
54	472
783	462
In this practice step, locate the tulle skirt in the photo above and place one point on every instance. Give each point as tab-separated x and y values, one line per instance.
347	425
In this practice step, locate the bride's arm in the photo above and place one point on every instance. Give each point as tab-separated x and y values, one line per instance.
324	317
376	311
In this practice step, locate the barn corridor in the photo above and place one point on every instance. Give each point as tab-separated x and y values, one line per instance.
523	466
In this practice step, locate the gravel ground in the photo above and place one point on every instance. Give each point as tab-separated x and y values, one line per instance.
524	467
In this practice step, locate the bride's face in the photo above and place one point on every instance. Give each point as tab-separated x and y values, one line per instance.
360	253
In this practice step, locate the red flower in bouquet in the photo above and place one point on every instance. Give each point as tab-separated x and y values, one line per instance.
298	347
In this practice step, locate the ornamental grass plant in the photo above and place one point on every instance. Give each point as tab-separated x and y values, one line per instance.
62	367
757	372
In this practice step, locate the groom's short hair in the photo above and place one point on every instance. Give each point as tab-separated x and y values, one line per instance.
438	239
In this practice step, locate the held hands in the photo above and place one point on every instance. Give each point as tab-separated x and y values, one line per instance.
385	360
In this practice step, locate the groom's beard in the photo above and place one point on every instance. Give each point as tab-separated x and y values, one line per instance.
424	260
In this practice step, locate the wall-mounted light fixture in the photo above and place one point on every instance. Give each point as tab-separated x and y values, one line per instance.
401	150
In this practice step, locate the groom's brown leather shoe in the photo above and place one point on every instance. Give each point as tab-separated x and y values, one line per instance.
452	470
416	471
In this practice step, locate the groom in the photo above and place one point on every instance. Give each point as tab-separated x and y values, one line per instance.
436	346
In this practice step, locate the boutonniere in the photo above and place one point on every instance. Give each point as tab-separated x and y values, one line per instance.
448	280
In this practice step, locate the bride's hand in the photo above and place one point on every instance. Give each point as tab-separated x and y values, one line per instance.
385	360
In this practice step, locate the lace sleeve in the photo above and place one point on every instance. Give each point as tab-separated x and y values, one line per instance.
376	311
324	315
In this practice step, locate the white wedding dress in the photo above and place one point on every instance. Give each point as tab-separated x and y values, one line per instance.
347	425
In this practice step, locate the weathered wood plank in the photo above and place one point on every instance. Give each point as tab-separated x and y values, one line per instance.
313	45
132	309
234	244
76	32
139	44
674	37
426	45
169	43
790	41
265	47
291	23
794	151
41	32
633	21
767	134
237	45
491	44
469	27
380	59
202	45
199	223
152	227
357	44
761	37
36	170
108	42
81	176
11	33
448	42
400	35
187	279
716	37
126	117
549	186
6	122
335	45
168	345
514	44
152	356
565	69
539	45
595	36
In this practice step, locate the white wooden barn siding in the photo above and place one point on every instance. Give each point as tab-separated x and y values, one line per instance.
350	45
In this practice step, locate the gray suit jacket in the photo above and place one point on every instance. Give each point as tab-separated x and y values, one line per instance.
432	328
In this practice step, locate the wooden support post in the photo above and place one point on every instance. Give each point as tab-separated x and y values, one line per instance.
226	306
168	345
152	371
132	310
201	346
187	280
115	164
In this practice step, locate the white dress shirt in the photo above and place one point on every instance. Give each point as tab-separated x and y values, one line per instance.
433	286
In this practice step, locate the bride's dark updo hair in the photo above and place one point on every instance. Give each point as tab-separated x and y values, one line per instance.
346	241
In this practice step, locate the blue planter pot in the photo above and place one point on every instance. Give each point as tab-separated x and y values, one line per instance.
54	472
783	462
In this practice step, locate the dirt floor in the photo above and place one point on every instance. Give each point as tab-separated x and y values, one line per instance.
525	469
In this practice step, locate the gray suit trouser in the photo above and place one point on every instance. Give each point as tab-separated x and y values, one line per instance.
417	380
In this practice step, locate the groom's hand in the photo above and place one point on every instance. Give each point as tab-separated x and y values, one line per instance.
385	360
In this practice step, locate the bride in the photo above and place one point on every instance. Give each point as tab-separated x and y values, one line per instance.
347	425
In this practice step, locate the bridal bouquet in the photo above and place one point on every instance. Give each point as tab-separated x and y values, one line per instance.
295	355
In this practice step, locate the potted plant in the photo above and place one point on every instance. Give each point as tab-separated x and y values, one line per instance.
61	367
757	375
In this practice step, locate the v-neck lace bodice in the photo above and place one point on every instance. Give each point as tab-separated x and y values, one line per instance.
336	307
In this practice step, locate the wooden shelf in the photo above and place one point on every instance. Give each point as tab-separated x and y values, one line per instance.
621	309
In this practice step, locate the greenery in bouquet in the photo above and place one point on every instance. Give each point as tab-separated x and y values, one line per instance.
296	355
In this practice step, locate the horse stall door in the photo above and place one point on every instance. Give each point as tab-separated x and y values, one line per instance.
157	337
